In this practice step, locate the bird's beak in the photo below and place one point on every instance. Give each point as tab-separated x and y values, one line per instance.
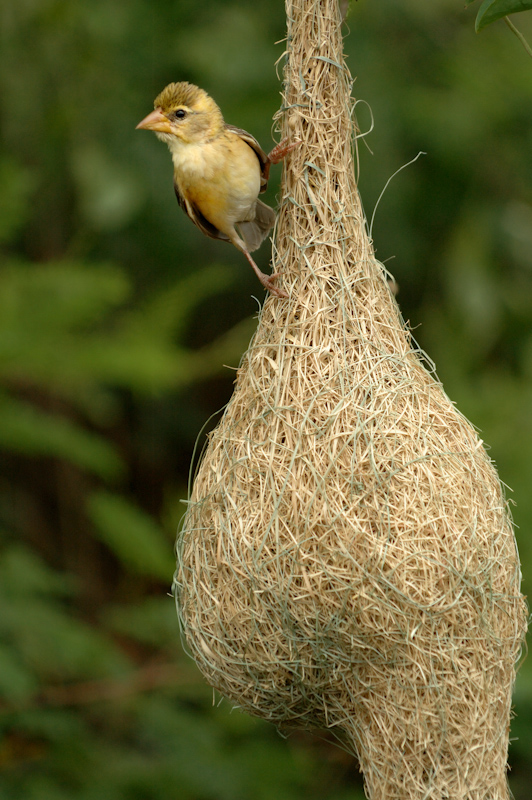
156	121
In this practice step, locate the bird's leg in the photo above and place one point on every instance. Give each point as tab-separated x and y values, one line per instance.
281	150
266	280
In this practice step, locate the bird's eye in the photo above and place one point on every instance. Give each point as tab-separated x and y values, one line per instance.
180	113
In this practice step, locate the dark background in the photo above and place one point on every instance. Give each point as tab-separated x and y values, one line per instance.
116	320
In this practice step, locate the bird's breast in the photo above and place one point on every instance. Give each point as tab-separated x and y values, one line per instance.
193	162
221	178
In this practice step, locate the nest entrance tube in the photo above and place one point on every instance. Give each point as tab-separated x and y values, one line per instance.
347	559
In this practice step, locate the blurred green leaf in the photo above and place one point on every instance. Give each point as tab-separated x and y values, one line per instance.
110	191
23	573
166	313
492	10
16	183
56	330
153	621
27	430
132	535
51	644
17	683
58	296
59	646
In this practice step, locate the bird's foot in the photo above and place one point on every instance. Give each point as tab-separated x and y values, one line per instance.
268	282
281	150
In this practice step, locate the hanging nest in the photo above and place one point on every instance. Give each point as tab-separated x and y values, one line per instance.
347	559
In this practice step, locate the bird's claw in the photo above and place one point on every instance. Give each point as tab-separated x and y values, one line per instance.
281	150
268	282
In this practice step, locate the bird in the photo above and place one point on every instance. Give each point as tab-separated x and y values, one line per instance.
219	170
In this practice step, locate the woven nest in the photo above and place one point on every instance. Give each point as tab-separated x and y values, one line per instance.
347	559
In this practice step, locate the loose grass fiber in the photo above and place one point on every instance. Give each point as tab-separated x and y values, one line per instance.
347	559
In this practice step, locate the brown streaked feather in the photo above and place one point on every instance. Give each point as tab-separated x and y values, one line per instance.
261	155
193	212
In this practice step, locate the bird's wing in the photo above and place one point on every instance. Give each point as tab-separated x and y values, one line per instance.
261	155
192	211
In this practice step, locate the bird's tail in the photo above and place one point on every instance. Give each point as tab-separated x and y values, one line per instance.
254	232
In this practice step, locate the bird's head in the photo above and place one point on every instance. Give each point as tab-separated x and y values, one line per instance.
186	113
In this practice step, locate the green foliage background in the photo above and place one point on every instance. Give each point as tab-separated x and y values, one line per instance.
117	316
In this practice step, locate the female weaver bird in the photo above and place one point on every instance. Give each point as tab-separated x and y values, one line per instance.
219	170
